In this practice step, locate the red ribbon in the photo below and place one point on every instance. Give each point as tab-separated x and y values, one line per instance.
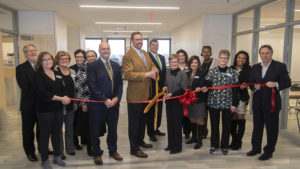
186	100
189	97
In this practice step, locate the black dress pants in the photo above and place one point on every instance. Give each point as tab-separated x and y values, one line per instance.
136	125
50	125
271	120
97	120
226	124
174	122
29	120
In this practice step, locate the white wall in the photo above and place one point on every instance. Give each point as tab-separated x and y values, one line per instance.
217	32
188	37
61	40
36	22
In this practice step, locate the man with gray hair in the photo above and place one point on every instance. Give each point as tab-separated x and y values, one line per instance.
25	80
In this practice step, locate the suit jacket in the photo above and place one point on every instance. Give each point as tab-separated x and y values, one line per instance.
25	80
134	71
162	72
277	72
100	84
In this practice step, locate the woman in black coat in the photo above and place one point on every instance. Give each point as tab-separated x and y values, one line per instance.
197	111
243	68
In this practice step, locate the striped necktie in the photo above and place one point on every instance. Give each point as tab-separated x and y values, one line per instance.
109	72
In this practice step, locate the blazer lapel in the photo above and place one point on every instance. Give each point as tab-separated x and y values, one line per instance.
154	61
102	65
138	57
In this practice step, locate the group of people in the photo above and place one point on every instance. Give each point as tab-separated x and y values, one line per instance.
49	87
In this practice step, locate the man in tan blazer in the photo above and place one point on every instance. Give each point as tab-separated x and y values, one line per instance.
138	69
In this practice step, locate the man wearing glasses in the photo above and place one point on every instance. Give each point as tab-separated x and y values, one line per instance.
24	76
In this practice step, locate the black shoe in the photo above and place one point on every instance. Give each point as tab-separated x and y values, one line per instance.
253	153
192	140
198	145
72	154
63	157
78	147
153	138
265	156
32	157
225	151
187	136
145	145
212	150
168	149
175	151
159	133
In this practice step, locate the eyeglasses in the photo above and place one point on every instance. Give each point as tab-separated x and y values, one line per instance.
223	58
46	60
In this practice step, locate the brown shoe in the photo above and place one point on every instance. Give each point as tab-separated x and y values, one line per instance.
139	154
116	156
98	160
145	145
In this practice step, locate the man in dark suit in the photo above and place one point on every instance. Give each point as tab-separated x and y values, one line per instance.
160	63
138	69
104	80
276	77
25	76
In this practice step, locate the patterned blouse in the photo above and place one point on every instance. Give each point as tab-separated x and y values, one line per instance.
81	88
221	98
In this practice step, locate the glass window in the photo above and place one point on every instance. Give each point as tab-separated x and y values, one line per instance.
273	13
294	99
145	45
164	48
245	21
6	18
117	47
297	10
8	49
244	42
275	38
92	44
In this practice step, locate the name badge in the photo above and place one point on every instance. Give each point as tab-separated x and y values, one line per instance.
228	74
58	77
196	77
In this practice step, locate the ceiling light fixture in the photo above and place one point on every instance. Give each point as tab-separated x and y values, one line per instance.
107	31
128	23
131	7
297	10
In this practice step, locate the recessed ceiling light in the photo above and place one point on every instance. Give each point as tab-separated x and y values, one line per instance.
107	31
129	23
131	7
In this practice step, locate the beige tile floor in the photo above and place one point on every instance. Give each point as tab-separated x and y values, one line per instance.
287	155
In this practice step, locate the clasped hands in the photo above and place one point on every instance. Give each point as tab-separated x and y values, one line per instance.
65	100
111	102
152	73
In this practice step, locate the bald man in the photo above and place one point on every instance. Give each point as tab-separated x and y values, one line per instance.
104	80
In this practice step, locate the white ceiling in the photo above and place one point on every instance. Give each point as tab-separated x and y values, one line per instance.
171	19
